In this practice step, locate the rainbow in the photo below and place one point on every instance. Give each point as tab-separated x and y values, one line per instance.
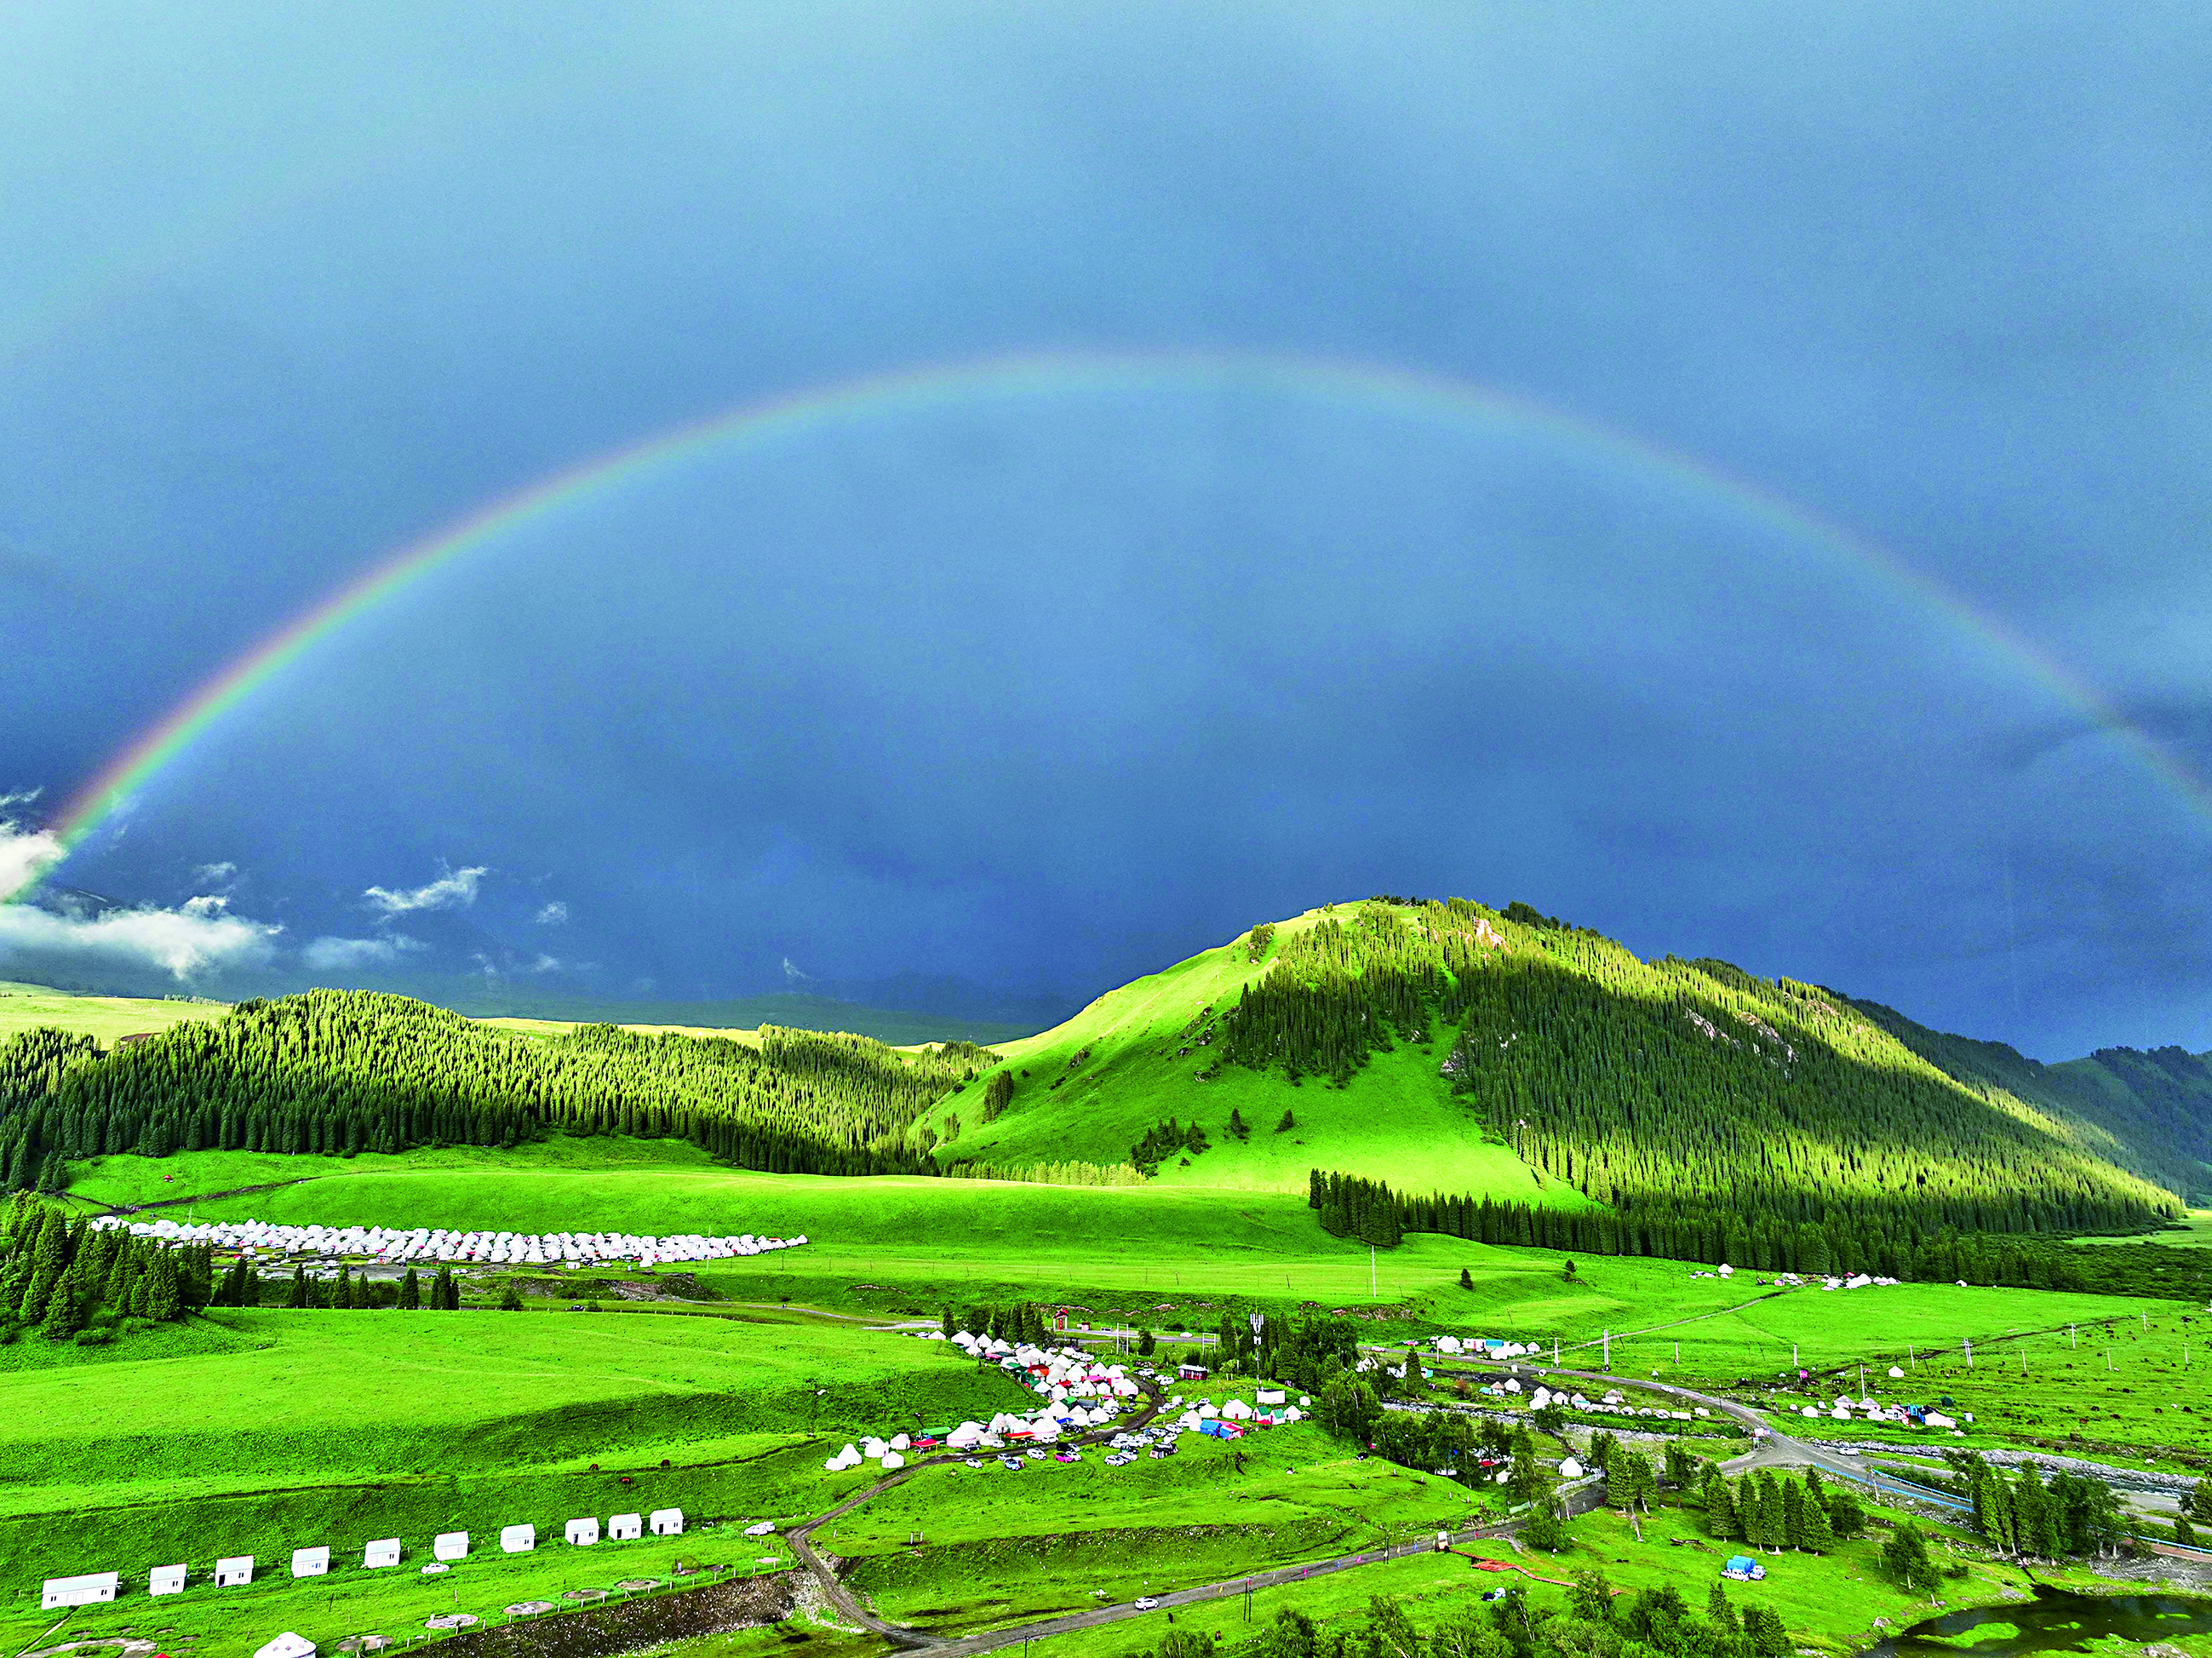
796	415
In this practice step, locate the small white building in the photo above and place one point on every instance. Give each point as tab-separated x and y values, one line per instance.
667	1522
81	1591
583	1533
450	1545
166	1580
310	1562
384	1551
626	1527
233	1569
287	1645
517	1540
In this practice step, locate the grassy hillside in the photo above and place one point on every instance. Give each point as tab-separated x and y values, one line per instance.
1088	1089
29	1007
2147	1112
1448	1047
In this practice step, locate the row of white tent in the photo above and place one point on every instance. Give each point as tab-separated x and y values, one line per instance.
448	1546
1484	1347
428	1244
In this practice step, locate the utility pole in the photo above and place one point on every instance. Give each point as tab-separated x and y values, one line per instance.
1606	1338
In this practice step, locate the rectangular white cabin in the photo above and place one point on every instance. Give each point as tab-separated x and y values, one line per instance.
517	1539
450	1545
384	1551
667	1522
80	1591
583	1533
166	1580
626	1527
233	1569
310	1562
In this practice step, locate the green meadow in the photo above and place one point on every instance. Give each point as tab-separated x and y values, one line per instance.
259	1431
26	1007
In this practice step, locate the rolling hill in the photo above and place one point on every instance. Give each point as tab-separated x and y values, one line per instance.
1457	1048
1509	1077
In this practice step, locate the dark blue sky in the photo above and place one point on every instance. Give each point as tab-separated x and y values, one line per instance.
1042	686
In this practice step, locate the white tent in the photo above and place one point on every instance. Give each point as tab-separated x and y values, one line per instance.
584	1532
667	1522
80	1591
1894	1373
765	1528
384	1551
234	1569
1276	1395
450	1545
625	1528
287	1645
166	1580
310	1562
893	1460
1236	1411
517	1540
1570	1468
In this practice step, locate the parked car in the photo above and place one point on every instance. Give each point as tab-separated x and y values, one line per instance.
1144	1603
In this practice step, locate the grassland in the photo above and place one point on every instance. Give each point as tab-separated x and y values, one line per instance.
1087	1089
256	1433
2195	1229
25	1007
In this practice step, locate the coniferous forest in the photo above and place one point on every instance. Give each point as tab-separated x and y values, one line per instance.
339	1071
1687	1096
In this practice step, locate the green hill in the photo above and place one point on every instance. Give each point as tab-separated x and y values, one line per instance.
1453	1047
1512	1077
2147	1112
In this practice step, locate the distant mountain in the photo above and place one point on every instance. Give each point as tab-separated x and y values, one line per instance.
2152	1111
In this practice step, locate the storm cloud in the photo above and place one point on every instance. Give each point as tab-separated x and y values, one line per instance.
1043	680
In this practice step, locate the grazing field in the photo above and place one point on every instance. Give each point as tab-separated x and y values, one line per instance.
26	1007
263	1430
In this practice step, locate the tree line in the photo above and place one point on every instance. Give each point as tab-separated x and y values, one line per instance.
1675	1093
337	1072
64	1278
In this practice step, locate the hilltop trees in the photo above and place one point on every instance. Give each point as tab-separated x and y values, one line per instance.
340	1071
62	1276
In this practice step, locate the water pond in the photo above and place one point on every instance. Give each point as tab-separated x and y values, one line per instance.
2057	1620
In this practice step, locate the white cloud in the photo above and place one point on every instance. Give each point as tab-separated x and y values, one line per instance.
455	890
19	798
546	964
25	854
182	943
554	914
214	875
208	903
351	955
792	972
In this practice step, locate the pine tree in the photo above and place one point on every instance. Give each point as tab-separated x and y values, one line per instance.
164	1299
1466	1278
509	1300
2200	1501
300	1296
1721	1516
1768	1635
411	1291
1793	1514
1720	1613
1816	1534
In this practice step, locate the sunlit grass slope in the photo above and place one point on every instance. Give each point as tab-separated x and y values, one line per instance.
27	1007
1118	1072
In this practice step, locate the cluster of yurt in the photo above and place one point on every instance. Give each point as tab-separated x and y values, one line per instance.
1489	1347
1228	1421
427	1244
1614	1403
234	1570
1844	1408
891	1452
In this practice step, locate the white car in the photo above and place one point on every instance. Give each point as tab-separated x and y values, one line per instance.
1144	1603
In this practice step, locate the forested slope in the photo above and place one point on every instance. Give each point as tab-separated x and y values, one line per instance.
334	1071
1686	1092
2148	1112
